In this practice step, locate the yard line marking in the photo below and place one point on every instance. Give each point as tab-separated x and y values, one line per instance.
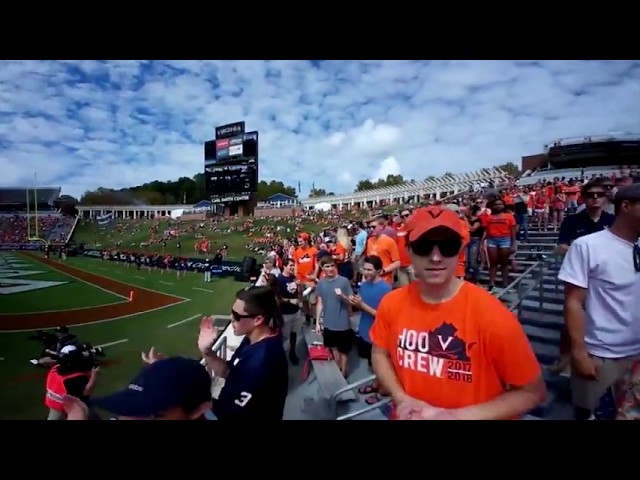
184	321
141	278
78	325
51	267
121	273
103	269
165	283
110	344
203	289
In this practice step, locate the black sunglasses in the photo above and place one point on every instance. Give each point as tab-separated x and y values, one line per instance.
448	247
595	195
636	257
236	317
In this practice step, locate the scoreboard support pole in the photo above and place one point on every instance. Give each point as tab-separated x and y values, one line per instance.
242	209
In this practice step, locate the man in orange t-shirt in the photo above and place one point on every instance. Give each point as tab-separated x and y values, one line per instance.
384	247
305	258
405	273
445	348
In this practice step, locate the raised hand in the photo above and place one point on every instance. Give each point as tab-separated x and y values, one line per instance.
152	356
208	335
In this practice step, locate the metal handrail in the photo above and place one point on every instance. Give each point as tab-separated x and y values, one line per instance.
353	386
367	409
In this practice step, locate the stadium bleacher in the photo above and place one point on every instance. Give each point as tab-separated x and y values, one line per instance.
26	213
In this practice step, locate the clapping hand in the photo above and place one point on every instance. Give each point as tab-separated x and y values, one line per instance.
152	356
208	335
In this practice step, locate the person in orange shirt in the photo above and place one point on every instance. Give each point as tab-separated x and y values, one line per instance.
384	247
445	348
405	272
462	256
305	258
500	232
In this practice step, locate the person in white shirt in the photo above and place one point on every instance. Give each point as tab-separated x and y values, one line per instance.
601	272
268	267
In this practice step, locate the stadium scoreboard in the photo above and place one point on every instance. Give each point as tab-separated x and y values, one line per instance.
231	164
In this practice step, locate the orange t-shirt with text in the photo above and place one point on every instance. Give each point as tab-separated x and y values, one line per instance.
385	248
457	353
499	226
305	259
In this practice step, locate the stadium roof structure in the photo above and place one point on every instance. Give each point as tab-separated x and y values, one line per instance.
18	195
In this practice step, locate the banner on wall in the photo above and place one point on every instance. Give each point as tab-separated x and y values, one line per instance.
21	246
227	268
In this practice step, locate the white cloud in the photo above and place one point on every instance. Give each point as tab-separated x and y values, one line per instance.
84	124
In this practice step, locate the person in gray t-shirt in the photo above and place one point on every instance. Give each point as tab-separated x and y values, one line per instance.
333	292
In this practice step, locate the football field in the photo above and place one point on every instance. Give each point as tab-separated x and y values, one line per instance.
104	303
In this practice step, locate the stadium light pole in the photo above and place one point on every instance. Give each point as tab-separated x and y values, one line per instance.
28	219
35	200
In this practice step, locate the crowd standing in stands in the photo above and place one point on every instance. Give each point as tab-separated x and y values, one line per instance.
441	347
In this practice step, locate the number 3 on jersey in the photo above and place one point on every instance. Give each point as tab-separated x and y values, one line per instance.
244	399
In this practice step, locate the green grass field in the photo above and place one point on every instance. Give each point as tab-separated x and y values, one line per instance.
17	268
22	384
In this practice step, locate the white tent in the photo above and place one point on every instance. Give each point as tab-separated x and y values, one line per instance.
323	207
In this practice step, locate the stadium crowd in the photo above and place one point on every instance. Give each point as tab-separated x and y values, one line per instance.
441	347
15	228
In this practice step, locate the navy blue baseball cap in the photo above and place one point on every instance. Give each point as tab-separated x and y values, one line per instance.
167	383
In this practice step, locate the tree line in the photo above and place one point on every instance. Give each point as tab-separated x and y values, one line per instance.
185	190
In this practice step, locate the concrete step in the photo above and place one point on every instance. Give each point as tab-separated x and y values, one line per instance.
546	354
542	335
541	319
553	309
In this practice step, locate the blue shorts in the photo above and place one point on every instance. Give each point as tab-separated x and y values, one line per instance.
499	242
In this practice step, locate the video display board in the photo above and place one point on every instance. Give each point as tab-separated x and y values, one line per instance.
231	166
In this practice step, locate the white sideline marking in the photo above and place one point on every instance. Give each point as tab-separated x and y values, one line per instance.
110	344
140	278
77	325
128	284
165	283
203	289
184	321
51	267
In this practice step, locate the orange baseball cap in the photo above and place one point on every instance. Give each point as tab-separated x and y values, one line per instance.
304	236
425	219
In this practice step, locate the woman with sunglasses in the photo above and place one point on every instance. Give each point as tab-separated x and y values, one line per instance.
257	376
445	348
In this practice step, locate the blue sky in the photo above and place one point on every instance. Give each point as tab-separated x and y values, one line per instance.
85	124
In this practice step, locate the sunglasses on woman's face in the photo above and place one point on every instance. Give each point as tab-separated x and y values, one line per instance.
448	247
